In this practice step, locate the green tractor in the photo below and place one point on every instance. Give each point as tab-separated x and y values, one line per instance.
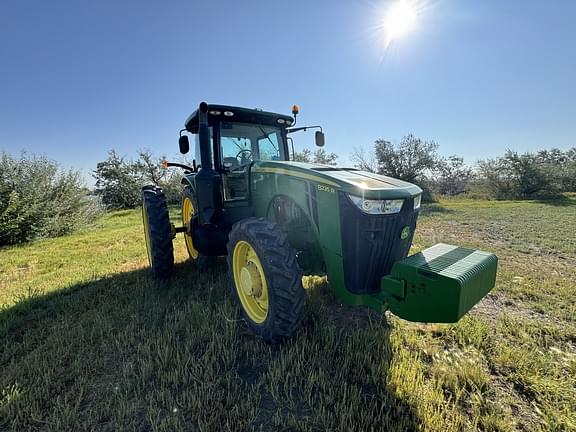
275	220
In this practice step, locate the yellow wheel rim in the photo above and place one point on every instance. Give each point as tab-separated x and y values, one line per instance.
147	233
187	213
250	281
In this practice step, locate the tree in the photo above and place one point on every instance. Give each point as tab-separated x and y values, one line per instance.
410	160
150	167
568	179
407	161
319	156
303	156
560	167
152	172
364	160
118	182
451	176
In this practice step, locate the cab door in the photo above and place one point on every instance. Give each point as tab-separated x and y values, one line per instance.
237	155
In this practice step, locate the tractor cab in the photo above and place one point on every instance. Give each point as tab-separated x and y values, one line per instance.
238	137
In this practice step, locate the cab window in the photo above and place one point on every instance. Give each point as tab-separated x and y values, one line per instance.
236	151
242	143
269	146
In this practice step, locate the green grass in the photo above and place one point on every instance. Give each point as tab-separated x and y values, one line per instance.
91	341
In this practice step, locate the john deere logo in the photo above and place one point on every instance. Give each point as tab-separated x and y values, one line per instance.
405	233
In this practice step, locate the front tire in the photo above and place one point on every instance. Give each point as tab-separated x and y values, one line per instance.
157	231
266	279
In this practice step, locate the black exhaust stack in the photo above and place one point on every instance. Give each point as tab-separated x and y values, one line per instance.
208	180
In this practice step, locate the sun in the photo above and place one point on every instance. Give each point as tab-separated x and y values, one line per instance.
401	18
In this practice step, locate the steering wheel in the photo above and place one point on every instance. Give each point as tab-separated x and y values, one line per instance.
242	159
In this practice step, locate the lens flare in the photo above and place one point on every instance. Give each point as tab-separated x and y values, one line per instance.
401	18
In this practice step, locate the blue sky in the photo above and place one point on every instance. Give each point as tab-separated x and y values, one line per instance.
78	78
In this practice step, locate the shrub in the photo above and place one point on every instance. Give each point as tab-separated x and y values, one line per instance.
38	199
517	176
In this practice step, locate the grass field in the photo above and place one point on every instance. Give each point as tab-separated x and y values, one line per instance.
89	341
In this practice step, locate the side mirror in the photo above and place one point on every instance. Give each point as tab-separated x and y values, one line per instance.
319	138
184	144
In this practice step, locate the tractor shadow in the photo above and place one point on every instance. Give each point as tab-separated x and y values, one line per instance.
558	201
350	348
69	351
428	209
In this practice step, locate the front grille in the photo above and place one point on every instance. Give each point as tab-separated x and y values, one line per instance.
371	244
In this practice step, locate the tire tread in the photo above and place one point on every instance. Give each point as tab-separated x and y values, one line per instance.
283	276
160	231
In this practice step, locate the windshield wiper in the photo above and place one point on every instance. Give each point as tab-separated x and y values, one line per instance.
268	138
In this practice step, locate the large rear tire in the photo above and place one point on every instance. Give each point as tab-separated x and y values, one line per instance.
157	231
266	279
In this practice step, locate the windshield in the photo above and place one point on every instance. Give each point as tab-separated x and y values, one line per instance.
242	143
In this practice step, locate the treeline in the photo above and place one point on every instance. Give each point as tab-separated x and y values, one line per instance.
40	199
545	174
119	180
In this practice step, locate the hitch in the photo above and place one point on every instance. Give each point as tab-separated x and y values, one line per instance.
175	230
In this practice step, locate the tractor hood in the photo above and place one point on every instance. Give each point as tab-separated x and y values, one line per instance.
346	179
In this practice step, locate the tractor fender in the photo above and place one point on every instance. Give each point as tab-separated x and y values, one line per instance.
189	182
300	229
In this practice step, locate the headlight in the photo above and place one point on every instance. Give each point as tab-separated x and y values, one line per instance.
417	202
377	206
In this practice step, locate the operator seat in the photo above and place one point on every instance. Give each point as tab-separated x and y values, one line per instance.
232	161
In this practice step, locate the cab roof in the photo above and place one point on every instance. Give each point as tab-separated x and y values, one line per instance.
217	113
